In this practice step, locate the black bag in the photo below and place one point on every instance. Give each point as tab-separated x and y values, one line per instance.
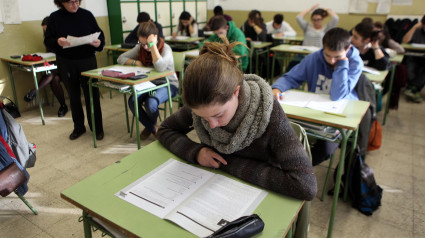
365	194
242	227
10	107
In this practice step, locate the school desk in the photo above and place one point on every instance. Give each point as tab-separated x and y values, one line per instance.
152	75
259	48
348	127
114	50
286	53
180	44
291	40
95	196
29	66
412	48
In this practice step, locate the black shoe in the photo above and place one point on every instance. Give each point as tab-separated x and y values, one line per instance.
62	111
99	136
30	96
76	133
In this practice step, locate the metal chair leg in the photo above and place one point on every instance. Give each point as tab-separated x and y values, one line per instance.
26	203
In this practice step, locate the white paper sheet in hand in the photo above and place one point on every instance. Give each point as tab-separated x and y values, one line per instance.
76	41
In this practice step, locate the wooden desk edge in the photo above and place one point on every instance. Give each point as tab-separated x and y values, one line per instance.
27	63
117	80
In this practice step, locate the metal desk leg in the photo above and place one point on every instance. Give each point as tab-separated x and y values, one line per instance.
126	112
12	80
350	160
136	110
170	99
338	179
272	72
92	112
86	224
34	74
390	89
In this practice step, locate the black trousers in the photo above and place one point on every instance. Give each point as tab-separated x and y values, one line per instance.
70	71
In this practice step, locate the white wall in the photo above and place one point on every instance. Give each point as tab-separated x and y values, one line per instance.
32	10
339	6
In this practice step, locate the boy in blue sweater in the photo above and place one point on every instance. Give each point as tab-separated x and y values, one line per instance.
333	70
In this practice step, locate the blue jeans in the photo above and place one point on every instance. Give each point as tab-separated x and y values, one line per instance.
148	105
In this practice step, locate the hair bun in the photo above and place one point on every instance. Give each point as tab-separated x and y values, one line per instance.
223	50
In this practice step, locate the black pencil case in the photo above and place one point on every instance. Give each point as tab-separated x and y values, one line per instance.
243	227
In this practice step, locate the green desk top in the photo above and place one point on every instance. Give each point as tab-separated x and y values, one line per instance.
27	63
289	38
377	78
260	44
95	195
116	47
397	59
290	49
188	40
409	47
152	75
354	112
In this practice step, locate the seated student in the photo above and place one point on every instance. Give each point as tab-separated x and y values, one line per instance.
415	65
333	70
53	79
254	27
228	29
366	40
313	33
242	128
385	39
218	11
279	28
142	17
187	26
151	52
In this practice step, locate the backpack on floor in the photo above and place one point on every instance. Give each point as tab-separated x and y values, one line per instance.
366	195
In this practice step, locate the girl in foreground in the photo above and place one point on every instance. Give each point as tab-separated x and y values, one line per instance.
242	128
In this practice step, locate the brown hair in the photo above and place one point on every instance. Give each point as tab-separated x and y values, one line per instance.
59	3
213	76
218	22
321	12
146	29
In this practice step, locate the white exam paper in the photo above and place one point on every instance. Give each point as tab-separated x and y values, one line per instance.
76	41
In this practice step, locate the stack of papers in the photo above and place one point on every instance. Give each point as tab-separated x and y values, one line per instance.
46	55
130	69
76	41
371	70
122	87
321	102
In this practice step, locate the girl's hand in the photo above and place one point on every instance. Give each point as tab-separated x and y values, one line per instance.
209	158
152	38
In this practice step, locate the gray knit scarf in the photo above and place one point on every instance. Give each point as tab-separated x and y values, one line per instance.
249	122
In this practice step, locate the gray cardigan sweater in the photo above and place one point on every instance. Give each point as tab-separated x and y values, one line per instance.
275	161
166	62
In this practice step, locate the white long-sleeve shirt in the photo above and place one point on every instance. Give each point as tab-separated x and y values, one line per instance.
284	27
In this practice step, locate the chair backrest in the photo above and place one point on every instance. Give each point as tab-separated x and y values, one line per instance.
302	136
179	58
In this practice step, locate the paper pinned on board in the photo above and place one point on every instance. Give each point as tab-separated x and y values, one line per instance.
76	41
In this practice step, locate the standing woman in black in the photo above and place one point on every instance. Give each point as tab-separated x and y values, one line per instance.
72	20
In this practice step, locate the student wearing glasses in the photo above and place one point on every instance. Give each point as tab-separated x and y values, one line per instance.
151	52
314	32
72	20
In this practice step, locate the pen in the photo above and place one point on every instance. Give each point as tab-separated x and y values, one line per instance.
336	114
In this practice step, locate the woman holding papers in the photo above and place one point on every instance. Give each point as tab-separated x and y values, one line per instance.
71	20
242	128
151	52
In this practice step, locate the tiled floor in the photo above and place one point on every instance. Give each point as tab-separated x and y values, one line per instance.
399	167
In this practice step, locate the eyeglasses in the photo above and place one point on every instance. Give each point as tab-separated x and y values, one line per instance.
142	45
73	2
